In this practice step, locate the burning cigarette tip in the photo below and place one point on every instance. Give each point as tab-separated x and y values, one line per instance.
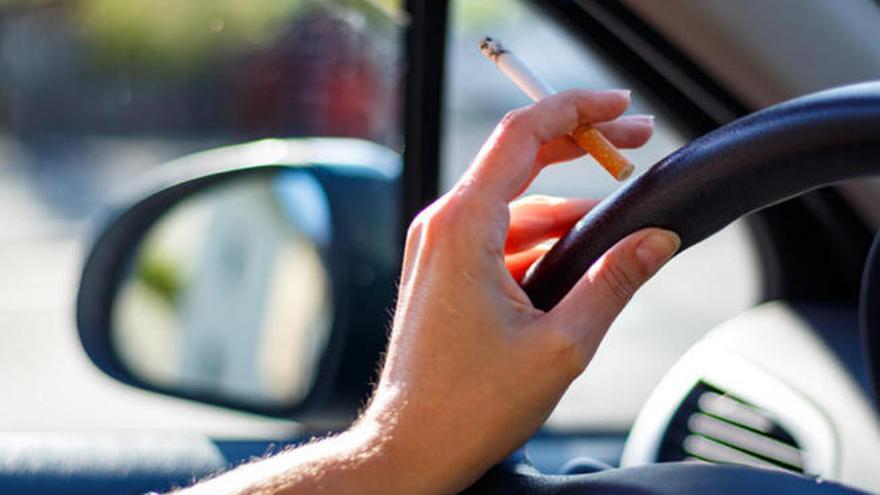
491	48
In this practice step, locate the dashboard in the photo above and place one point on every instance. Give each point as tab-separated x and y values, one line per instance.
782	386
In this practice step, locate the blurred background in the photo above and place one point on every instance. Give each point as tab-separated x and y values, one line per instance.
95	92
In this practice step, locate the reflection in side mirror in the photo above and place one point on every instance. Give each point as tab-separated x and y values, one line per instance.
257	277
228	294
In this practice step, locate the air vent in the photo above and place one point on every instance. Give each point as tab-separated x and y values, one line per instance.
713	426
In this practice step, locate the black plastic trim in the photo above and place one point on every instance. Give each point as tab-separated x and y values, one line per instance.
425	66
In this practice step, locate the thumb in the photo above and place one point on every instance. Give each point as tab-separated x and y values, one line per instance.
603	291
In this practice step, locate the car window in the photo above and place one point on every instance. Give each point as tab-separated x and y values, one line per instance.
93	92
710	283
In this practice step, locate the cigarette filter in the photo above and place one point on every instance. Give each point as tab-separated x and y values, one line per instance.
586	136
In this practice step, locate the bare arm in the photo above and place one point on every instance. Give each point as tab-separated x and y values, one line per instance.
472	368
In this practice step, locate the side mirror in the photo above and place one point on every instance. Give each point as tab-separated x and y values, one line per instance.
256	277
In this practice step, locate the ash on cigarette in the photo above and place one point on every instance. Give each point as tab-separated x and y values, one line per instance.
491	48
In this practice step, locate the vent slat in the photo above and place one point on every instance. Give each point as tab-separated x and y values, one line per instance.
713	426
723	406
711	451
746	440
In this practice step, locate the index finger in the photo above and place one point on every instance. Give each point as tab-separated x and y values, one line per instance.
506	163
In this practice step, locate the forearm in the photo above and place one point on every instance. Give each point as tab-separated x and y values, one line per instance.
356	458
472	368
379	454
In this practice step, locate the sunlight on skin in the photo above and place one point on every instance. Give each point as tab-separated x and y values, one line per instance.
472	368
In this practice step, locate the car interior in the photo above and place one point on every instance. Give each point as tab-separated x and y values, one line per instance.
256	274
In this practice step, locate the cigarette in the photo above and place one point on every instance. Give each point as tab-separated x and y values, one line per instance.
586	136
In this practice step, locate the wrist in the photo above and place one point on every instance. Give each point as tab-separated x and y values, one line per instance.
413	452
388	451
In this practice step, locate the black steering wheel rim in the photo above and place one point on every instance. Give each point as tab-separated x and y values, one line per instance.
754	162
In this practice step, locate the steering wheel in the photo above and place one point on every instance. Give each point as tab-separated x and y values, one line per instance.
751	163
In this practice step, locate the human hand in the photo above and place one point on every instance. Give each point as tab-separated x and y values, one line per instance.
472	368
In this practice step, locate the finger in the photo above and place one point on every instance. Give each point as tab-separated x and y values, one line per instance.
506	162
534	219
630	131
601	294
626	132
519	263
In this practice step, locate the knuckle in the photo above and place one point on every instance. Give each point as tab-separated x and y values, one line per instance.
621	283
436	230
513	120
576	94
436	223
565	351
415	228
536	199
444	216
414	231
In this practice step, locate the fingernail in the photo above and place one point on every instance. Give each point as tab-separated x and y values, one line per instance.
656	249
645	119
626	93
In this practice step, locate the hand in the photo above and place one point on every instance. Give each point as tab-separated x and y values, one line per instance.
472	368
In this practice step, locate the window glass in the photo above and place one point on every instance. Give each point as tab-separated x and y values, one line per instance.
92	92
710	283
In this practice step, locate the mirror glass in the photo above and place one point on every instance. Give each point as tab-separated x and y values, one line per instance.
228	293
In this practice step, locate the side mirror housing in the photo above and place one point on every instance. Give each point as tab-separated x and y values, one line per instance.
257	277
